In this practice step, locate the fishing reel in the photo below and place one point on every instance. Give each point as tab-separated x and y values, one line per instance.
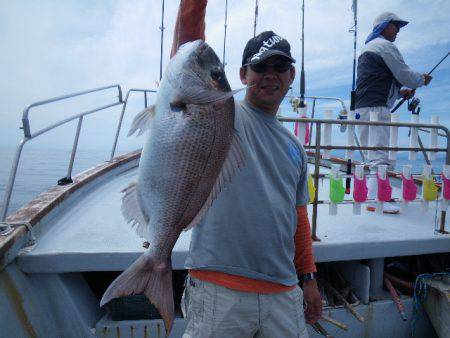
342	116
414	105
296	103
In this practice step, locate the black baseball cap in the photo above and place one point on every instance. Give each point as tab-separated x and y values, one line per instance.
265	45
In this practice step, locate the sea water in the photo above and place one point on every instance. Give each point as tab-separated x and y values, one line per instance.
41	168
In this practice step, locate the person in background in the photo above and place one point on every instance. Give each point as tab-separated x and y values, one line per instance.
382	78
253	247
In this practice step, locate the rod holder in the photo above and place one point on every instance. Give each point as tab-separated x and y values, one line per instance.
393	140
433	138
327	134
413	138
407	175
302	127
382	175
426	176
445	187
359	175
372	133
335	175
350	135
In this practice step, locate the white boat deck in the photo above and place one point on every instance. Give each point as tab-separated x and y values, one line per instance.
90	234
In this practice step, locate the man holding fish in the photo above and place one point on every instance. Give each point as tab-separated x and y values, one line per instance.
236	176
244	255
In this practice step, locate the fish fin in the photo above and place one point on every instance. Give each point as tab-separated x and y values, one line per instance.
194	95
150	277
234	161
132	211
142	121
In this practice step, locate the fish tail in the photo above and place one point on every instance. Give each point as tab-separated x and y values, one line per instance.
148	276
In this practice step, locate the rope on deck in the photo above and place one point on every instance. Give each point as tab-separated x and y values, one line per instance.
421	293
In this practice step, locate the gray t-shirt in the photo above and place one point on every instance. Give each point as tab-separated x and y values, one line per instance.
249	230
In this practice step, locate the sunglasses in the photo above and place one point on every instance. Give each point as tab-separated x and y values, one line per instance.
279	66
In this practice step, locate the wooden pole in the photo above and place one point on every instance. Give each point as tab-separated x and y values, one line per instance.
335	322
347	305
396	298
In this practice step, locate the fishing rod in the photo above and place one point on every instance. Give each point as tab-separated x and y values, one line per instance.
429	73
225	33
256	18
162	41
302	72
353	30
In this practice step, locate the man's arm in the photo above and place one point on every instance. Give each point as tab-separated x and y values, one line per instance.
401	71
190	24
304	263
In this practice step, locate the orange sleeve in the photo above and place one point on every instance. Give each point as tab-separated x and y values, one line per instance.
190	24
304	259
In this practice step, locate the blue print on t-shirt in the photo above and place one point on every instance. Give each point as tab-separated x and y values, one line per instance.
294	153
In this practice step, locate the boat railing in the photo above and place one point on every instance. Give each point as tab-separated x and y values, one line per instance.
29	135
119	125
427	127
338	100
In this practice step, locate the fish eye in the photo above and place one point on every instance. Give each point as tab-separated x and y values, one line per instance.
177	106
216	74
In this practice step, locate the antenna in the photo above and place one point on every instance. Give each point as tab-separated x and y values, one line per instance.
162	40
256	18
225	33
302	73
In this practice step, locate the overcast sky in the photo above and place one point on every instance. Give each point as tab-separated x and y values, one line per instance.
51	48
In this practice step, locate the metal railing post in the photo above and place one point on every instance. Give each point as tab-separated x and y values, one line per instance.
68	178
116	138
12	177
316	182
311	126
119	126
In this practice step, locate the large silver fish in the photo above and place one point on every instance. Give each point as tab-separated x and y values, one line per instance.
191	152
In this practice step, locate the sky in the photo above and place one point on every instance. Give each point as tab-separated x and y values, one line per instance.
52	48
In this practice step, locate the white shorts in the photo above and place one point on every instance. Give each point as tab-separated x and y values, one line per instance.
215	311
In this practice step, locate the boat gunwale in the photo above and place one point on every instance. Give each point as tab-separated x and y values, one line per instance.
35	210
40	206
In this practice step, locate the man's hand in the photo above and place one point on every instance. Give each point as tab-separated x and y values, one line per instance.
407	93
313	301
427	79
